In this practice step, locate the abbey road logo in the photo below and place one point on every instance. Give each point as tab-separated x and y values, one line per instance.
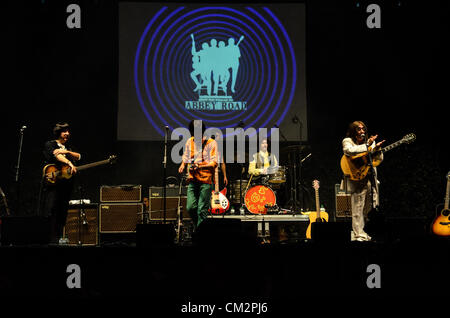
215	68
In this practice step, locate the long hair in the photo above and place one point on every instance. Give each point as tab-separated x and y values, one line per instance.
59	128
352	130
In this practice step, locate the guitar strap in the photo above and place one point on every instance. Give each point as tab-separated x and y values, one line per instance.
201	150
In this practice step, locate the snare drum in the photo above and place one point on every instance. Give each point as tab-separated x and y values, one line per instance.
277	174
258	198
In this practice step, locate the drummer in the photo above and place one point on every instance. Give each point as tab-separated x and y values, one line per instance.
262	161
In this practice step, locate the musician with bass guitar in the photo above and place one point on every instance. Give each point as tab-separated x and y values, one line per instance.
56	196
364	190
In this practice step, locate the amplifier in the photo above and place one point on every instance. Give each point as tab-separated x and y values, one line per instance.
171	192
157	202
343	203
120	217
82	228
121	193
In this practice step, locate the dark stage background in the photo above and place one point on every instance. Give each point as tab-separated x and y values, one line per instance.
394	78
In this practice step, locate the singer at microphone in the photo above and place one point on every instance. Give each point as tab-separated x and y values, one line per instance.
362	186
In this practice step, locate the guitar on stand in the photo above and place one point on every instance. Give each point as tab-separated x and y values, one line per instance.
219	201
441	223
318	216
4	203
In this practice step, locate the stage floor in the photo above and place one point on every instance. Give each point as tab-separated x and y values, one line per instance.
284	277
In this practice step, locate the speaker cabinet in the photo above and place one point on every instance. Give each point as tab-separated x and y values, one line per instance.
343	203
120	217
82	225
122	193
156	205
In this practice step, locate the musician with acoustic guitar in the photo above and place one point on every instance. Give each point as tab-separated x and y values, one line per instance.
56	195
356	147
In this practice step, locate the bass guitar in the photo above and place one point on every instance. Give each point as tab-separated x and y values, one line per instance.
441	223
52	173
317	216
219	201
357	167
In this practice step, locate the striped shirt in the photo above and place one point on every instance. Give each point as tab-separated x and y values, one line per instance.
208	155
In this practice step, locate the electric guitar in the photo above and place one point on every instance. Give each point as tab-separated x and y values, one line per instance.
357	167
318	216
219	201
441	223
52	173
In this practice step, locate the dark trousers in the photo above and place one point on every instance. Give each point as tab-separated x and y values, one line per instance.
55	205
198	201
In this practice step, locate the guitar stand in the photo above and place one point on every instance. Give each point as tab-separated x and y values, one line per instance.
293	203
179	223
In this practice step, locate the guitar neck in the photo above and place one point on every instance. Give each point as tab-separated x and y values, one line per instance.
317	203
93	164
447	195
216	180
392	146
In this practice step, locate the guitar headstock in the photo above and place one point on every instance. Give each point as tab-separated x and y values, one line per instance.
112	159
316	184
409	138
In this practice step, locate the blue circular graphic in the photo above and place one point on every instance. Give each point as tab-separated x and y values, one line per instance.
164	74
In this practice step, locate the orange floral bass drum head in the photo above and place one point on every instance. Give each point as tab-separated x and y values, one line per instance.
257	197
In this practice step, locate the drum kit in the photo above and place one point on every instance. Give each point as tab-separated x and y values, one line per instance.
259	196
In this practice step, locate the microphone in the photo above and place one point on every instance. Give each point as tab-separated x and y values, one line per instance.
23	128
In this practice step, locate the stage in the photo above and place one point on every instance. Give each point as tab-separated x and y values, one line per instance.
284	277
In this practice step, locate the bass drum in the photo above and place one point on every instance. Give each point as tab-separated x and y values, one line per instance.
258	198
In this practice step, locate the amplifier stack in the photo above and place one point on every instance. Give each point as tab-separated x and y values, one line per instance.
156	203
120	208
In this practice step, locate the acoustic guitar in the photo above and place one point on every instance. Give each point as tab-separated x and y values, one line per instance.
317	216
441	223
357	167
219	201
52	173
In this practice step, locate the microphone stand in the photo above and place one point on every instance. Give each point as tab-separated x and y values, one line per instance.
81	216
378	219
165	171
372	170
16	179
